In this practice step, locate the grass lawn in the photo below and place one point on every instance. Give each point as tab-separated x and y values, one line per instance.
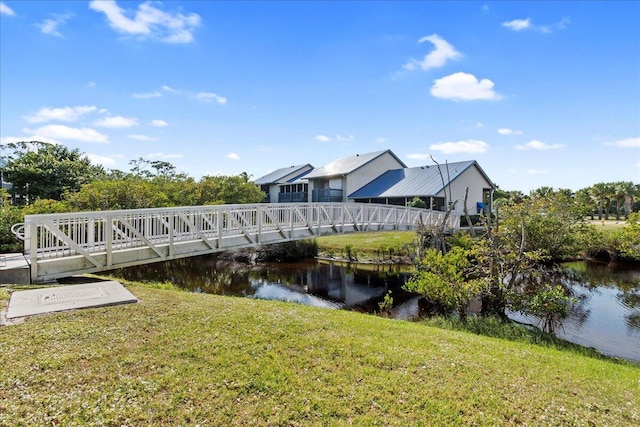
370	245
179	358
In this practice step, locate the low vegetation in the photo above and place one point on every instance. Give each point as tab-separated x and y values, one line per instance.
372	246
179	358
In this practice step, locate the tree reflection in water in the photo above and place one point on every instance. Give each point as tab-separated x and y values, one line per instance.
605	315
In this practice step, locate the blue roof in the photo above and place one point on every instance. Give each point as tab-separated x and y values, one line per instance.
410	182
284	175
346	165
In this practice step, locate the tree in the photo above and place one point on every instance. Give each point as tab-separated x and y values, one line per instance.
546	227
602	193
446	280
121	194
586	202
227	189
40	170
628	238
623	194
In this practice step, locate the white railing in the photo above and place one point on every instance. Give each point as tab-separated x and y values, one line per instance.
72	243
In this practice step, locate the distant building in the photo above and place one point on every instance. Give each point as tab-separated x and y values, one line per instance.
433	184
381	177
333	182
284	185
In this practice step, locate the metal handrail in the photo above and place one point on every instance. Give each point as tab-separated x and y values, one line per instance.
18	230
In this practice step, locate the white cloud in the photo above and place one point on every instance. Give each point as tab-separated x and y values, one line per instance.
517	24
6	10
147	95
479	124
141	137
463	87
159	123
116	122
436	58
10	140
526	24
210	96
563	23
50	26
538	145
169	89
13	139
233	156
507	131
323	138
625	143
91	85
469	146
63	132
381	140
64	114
101	160
264	148
148	21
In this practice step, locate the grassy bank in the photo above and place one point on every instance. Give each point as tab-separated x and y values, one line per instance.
373	246
180	358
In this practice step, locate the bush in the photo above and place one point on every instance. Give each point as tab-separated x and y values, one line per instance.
288	251
9	215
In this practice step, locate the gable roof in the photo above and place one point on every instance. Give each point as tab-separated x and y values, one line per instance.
284	175
347	165
409	182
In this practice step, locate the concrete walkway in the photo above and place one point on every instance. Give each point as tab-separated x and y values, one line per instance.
61	298
14	269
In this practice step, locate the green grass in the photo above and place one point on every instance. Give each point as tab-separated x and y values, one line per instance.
179	358
368	246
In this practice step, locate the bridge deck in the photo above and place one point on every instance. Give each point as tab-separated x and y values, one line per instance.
59	245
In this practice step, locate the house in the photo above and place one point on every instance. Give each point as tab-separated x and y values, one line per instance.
285	185
334	181
381	177
433	184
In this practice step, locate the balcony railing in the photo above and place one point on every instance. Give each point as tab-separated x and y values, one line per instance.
296	197
326	195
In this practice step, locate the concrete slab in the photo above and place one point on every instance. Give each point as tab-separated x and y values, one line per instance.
61	298
14	269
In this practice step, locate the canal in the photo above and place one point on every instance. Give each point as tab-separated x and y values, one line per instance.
605	314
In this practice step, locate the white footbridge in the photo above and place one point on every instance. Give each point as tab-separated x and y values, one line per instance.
60	245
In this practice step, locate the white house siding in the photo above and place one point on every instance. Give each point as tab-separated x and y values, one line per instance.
369	172
336	183
273	193
476	182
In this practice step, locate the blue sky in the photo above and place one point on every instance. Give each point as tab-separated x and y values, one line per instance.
539	93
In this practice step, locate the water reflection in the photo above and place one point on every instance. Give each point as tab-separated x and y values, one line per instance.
606	314
313	283
606	311
266	290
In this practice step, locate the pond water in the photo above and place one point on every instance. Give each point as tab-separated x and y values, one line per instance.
606	314
606	311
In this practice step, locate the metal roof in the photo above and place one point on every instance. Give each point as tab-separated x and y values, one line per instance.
410	182
284	175
346	165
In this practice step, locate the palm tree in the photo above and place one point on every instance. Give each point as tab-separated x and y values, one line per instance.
585	201
601	192
624	193
633	193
